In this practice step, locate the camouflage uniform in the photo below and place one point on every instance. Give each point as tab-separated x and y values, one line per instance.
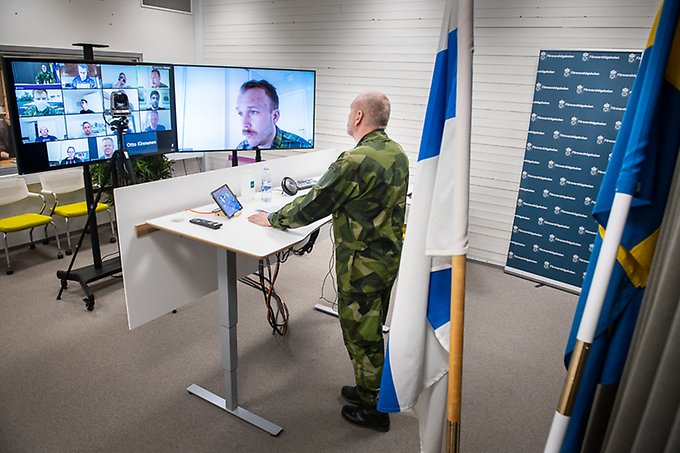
365	191
32	110
282	139
44	78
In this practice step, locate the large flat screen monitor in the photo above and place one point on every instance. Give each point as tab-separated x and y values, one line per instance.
229	108
61	110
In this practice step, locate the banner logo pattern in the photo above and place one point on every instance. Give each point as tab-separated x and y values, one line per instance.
579	101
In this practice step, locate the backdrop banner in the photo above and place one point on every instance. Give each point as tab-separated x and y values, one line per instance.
579	101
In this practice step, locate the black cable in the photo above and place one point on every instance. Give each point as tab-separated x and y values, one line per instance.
330	274
276	312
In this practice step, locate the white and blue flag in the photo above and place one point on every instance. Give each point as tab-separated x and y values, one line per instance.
416	362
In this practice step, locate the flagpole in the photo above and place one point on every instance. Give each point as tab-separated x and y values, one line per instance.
591	316
455	353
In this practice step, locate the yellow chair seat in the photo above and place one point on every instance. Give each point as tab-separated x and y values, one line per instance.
23	222
77	209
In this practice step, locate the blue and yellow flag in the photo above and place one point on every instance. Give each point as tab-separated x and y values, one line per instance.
641	165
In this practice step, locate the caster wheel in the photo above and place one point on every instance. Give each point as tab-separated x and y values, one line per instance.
60	255
112	240
10	271
46	241
69	252
89	303
32	246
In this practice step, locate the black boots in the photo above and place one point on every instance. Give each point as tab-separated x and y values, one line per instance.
366	418
358	414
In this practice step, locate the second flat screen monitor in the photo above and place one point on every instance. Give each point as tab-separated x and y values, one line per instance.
221	108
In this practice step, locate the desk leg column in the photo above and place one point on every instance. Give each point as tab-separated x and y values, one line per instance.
226	267
228	312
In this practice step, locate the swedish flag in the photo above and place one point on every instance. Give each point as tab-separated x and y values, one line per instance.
641	165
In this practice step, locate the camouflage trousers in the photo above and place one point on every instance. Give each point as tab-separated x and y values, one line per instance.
361	320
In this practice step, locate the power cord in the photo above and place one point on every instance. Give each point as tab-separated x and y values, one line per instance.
330	274
276	309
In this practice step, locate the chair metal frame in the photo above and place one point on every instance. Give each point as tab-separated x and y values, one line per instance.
14	190
63	183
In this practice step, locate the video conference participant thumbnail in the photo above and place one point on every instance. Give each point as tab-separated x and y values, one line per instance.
68	152
40	102
83	101
81	75
44	135
155	99
118	76
36	74
154	120
258	109
153	76
42	129
105	147
46	75
85	126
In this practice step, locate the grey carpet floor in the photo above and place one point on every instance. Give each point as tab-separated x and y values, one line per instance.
79	381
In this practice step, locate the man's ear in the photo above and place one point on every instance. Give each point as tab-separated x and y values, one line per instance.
275	115
358	117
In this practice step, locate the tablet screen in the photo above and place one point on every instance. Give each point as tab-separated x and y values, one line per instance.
226	200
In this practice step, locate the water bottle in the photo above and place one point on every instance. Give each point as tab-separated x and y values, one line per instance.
266	195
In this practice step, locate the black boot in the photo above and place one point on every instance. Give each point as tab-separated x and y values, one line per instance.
351	395
366	418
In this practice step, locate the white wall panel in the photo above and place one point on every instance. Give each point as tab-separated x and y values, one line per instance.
123	25
390	46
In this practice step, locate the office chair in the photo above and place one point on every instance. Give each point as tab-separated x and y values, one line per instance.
67	184
12	191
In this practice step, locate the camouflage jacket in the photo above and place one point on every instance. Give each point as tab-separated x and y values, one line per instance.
365	191
282	139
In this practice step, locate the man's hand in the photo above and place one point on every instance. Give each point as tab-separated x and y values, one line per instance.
260	219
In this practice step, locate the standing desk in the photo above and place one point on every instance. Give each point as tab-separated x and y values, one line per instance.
236	236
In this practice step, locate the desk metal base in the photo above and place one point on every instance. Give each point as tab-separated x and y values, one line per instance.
326	309
239	412
228	314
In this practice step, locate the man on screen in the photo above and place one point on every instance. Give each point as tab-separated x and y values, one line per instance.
44	76
40	106
107	147
155	78
258	107
87	130
71	157
121	82
82	80
45	136
83	107
153	123
154	99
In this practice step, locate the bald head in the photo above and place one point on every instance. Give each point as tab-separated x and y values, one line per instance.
376	108
369	111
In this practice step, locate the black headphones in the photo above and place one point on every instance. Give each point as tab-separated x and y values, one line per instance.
289	186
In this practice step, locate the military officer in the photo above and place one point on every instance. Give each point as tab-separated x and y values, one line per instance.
365	192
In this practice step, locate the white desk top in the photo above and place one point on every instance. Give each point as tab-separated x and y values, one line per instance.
237	234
